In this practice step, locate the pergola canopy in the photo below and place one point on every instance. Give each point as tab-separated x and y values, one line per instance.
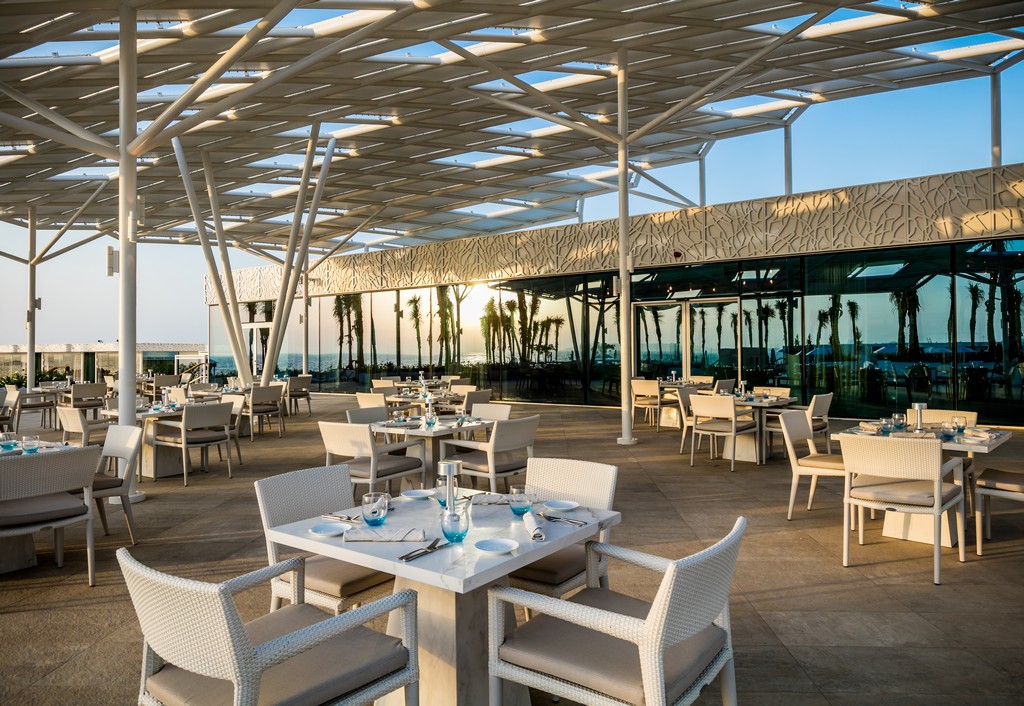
449	118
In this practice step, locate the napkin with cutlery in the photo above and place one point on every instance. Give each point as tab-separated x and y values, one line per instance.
978	434
913	435
384	534
533	527
868	426
488	499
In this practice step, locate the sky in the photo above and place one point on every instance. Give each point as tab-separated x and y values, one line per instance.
914	132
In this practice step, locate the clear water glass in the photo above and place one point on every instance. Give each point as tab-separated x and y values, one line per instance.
520	499
441	486
885	426
30	444
960	423
455	522
948	431
375	508
431	420
899	422
8	441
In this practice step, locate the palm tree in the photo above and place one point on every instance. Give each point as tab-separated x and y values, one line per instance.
899	301
558	322
703	338
356	307
913	305
339	314
977	299
748	319
268	315
444	355
822	323
647	335
766	313
656	318
416	314
854	309
719	313
835	312
781	305
509	326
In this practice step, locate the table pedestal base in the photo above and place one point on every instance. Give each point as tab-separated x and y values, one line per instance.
746	448
19	552
920	528
453	648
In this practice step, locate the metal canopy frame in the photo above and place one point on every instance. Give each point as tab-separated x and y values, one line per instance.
418	120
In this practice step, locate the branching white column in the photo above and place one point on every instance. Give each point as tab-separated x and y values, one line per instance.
996	96
625	285
126	184
30	311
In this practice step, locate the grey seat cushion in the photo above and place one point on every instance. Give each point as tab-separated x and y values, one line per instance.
338	578
604	663
555	568
41	508
504	461
723	426
195	436
320	674
998	479
832	461
904	492
101	481
268	408
387	465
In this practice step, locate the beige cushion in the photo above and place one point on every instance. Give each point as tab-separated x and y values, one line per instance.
998	479
194	436
555	568
40	508
903	492
320	674
724	426
604	663
504	461
387	465
831	461
338	578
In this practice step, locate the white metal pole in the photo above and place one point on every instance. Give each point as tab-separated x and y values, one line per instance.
996	95
787	149
126	224
625	304
305	315
30	312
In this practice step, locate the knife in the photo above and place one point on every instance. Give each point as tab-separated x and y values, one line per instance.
429	549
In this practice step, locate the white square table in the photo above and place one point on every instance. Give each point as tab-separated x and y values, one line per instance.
452	585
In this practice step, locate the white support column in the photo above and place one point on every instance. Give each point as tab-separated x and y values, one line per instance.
625	304
30	311
996	95
305	315
126	185
787	156
702	181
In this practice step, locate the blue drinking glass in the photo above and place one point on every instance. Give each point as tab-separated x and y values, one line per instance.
455	522
520	500
375	508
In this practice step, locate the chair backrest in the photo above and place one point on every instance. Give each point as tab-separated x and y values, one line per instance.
191	624
73	420
449	378
234	381
796	428
889	457
367	415
726	386
204	386
694	591
937	416
166	381
512	434
392	378
818	408
386	391
349	440
775	391
703	379
178	395
474	398
371	399
3	399
586	482
294	496
463	389
645	388
262	394
460	382
685	405
88	390
299	383
716	406
492	411
29	475
123	442
383	382
200	416
237	403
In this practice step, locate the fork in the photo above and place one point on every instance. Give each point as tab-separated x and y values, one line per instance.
566	520
416	553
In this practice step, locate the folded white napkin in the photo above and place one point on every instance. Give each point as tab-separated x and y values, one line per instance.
912	435
978	434
533	527
384	534
869	426
488	499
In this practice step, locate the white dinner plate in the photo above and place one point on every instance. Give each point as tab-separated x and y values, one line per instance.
561	505
972	440
497	545
419	494
330	529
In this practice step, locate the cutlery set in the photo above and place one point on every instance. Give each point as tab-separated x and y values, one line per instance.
423	551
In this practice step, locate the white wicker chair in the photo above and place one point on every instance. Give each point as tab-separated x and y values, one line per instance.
262	403
591	485
195	643
602	647
36	494
201	426
702	379
122	444
647	395
723	387
237	413
817	418
504	454
85	396
492	411
368	461
717	416
796	429
298	495
686	419
21	402
994	483
297	389
74	421
901	475
366	415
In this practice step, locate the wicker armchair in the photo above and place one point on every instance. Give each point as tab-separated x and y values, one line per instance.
796	429
901	475
591	485
36	494
122	444
994	483
504	454
297	389
717	416
74	421
370	462
263	402
201	426
602	647
196	647
648	396
294	496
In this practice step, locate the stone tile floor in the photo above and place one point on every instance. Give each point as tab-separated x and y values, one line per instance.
806	630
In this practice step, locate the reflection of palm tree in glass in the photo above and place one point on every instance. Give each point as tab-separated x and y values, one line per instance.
748	319
268	316
835	312
703	338
899	302
781	306
767	313
416	314
558	322
339	314
913	305
822	323
719	313
509	325
977	299
854	309
656	318
647	335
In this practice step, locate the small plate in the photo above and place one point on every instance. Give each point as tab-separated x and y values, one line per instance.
330	529
561	505
419	494
497	545
973	440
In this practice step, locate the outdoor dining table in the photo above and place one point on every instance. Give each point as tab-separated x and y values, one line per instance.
755	449
416	427
451	584
919	527
156	461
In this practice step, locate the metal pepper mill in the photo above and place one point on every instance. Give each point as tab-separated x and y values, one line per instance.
920	407
449	470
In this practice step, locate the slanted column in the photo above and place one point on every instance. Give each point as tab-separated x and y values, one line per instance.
996	99
625	300
30	311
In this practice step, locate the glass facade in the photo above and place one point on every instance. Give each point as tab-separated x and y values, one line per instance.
880	329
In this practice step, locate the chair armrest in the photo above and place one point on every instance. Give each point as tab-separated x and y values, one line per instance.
745	411
398	445
260	576
632	556
281	648
621	626
167	423
956	466
462	444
